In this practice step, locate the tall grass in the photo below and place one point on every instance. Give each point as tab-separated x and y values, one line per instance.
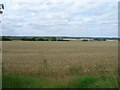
21	82
103	81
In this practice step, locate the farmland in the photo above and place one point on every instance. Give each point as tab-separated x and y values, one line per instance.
59	61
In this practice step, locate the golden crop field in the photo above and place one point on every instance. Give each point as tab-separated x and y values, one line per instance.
59	60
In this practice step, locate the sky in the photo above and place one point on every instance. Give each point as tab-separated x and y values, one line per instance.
74	18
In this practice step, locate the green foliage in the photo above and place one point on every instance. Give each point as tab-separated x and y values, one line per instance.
100	39
103	81
13	81
39	39
97	39
26	39
43	39
82	82
84	40
20	82
33	39
29	39
4	38
106	81
53	39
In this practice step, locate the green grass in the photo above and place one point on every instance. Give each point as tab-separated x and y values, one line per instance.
21	82
9	81
103	81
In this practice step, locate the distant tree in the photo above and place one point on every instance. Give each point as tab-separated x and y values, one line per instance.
23	39
97	39
41	39
46	39
102	39
53	39
4	38
34	39
84	40
26	39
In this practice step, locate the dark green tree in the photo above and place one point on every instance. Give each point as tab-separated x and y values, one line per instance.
5	38
41	39
34	39
53	39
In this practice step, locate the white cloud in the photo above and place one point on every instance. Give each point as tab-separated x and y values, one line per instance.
65	0
60	17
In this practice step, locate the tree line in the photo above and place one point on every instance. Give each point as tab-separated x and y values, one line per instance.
5	38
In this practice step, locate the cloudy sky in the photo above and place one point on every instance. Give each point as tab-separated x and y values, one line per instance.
60	18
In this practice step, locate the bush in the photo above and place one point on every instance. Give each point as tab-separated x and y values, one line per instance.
4	38
85	40
53	39
26	39
97	39
42	39
34	39
100	39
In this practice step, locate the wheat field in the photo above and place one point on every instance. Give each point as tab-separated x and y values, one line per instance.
59	60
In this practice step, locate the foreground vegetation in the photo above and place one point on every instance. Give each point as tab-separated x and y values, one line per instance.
103	81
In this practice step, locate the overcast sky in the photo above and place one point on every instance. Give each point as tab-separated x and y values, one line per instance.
60	18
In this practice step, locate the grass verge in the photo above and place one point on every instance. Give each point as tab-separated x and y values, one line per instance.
103	81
